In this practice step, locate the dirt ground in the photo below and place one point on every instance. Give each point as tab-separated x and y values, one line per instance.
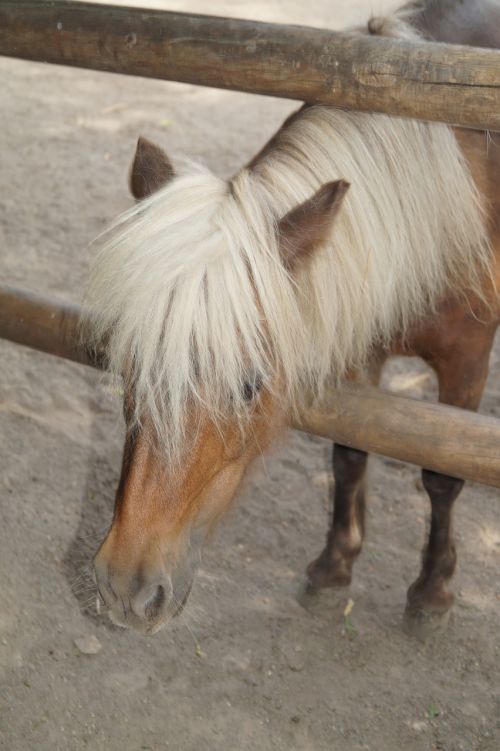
248	667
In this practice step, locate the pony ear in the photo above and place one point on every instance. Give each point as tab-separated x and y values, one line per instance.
305	228
150	170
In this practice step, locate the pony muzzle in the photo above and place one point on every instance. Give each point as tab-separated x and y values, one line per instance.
139	597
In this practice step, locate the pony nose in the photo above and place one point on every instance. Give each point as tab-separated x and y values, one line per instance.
129	593
151	598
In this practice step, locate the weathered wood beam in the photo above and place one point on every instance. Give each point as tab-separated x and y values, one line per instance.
34	321
442	438
454	84
445	439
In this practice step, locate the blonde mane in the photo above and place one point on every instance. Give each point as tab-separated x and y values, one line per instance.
191	291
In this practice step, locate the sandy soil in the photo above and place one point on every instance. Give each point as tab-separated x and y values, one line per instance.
248	667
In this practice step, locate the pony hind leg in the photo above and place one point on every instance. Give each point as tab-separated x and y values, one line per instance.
462	369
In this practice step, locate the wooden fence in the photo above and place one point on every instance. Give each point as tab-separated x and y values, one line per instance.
454	84
457	85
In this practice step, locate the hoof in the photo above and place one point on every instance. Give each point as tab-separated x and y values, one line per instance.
425	624
323	575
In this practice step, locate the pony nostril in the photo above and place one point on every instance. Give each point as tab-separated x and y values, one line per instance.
155	602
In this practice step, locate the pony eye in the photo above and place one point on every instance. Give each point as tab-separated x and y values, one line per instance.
252	388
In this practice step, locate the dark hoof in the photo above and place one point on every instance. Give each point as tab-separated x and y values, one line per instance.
323	575
425	624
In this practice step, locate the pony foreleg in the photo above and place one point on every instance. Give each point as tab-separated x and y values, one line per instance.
345	537
462	370
428	594
333	567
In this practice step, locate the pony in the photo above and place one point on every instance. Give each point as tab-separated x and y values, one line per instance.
225	303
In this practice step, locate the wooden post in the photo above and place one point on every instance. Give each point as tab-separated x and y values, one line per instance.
454	84
442	438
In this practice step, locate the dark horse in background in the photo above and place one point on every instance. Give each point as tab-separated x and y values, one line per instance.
199	263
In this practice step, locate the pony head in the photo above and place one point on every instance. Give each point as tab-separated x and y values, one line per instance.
197	291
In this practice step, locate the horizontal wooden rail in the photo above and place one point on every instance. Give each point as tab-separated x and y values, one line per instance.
445	439
37	322
435	436
454	84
